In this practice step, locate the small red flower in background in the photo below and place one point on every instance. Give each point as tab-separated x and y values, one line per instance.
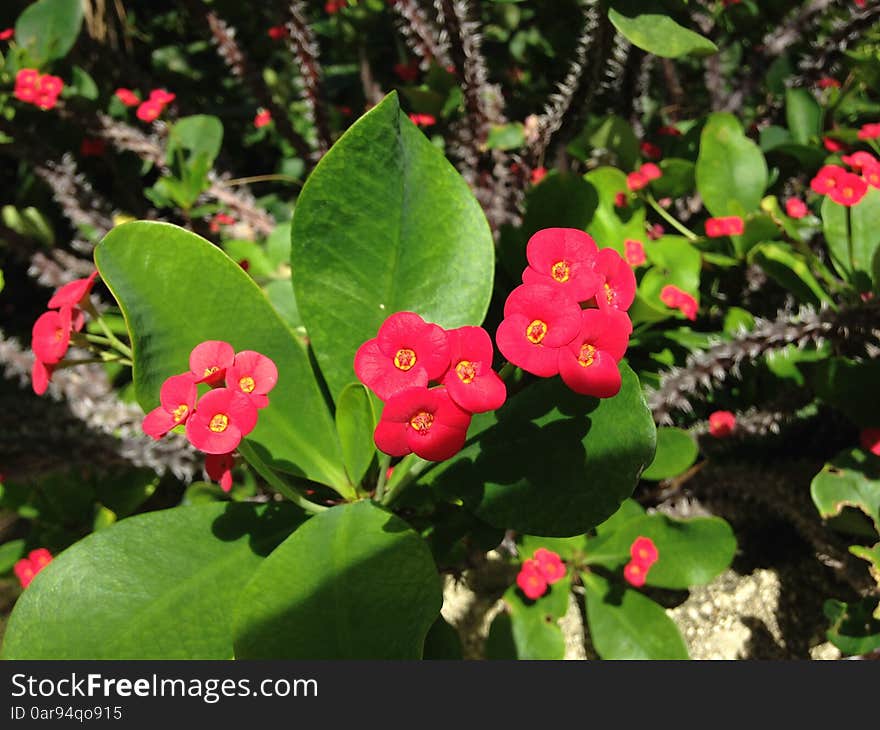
424	422
538	174
650	150
219	469
6	34
209	360
531	580
406	352
796	208
826	82
149	111
827	179
619	289
859	160
871	174
669	131
423	120
635	574
263	118
832	145
634	252
92	147
644	175
254	375
277	32
221	219
588	364
676	298
869	438
41	91
538	320
620	200
178	401
27	568
563	258
721	424
221	419
643	551
656	231
161	96
870	131
407	72
127	97
726	226
470	380
331	7
550	565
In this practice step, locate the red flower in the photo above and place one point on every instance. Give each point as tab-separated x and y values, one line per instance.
619	288
636	181
634	252
407	72
833	145
178	400
127	97
72	295
254	375
635	574
263	118
221	219
721	424
277	32
51	336
656	231
651	151
827	179
679	299
869	438
531	580
209	360
149	111
26	84
27	568
669	131
41	374
620	200
859	160
425	422
871	173
538	320
423	120
222	418
538	174
470	380
563	258
407	352
727	226
826	82
850	189
650	171
644	552
6	34
870	131
588	364
331	7
550	565
219	469
796	208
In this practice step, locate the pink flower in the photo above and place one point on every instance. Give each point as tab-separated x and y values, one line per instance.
538	174
6	34
219	469
679	299
149	111
588	364
655	231
619	288
849	190
209	360
425	422
650	150
644	552
51	336
222	418
859	160
72	295
161	97
178	400
423	120
127	97
721	424
796	208
869	438
550	565
470	380
263	118
531	580
726	226
41	374
870	131
635	574
406	352
254	375
277	32
27	568
832	145
634	252
563	258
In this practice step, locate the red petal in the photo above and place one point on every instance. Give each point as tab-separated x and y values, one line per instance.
158	422
179	390
601	379
377	371
249	363
70	295
390	437
536	359
209	355
437	443
41	374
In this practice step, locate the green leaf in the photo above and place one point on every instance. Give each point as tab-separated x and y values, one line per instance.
551	462
385	224
846	385
506	136
851	479
532	631
611	225
640	23
613	134
854	628
865	235
790	269
155	586
803	114
354	582
625	624
10	553
731	171
84	85
48	29
629	510
199	136
692	552
355	422
676	451
177	290
678	178
835	226
442	642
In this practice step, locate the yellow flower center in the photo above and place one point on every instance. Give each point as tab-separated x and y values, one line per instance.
586	356
466	371
59	334
247	384
422	421
560	271
219	423
180	412
211	370
609	294
404	359
536	331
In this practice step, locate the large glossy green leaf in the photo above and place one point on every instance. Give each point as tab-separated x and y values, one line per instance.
155	586
676	451
177	290
790	269
625	624
551	462
731	170
852	479
853	237
355	582
645	25
385	224
530	629
691	551
200	135
611	225
48	28
355	422
803	114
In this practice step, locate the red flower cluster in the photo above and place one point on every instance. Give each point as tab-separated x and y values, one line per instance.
543	569
641	177
263	117
423	120
869	438
870	131
721	424
634	252
731	225
27	568
152	108
847	188
218	421
643	554
546	331
676	298
40	90
407	355
796	208
51	332
277	32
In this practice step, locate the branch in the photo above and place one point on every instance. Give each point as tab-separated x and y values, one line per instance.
304	46
420	34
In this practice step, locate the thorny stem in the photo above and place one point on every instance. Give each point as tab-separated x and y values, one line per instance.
680	227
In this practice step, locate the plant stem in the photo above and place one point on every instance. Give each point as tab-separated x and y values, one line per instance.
114	340
680	227
396	489
507	371
261	178
384	463
275	480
